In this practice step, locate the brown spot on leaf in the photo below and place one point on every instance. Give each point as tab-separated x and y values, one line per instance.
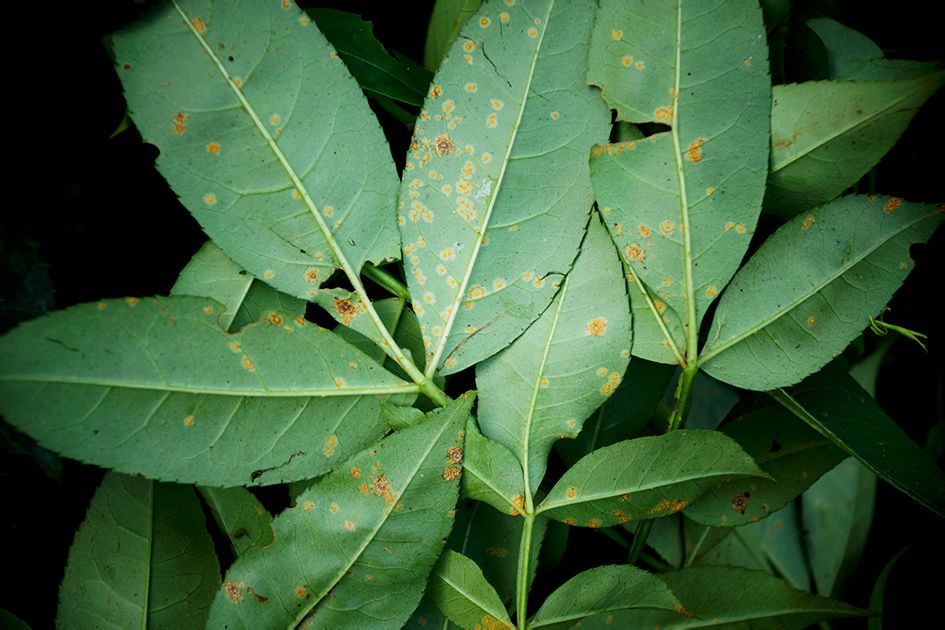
695	150
740	502
454	454
634	252
274	318
345	309
450	473
892	204
234	591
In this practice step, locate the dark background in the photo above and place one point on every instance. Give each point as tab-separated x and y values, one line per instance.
88	217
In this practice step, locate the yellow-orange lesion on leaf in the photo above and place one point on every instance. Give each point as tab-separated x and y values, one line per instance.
597	326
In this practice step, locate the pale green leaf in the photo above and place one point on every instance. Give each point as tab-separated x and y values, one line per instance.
264	136
811	287
734	598
261	300
543	386
826	135
367	534
211	274
240	516
603	591
156	386
492	473
142	558
837	512
447	18
794	454
645	478
463	594
496	190
682	204
836	406
658	333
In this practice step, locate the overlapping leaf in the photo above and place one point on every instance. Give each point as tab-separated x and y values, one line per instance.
240	516
543	386
356	549
264	136
810	288
447	19
461	591
645	478
496	191
141	559
156	386
682	205
493	474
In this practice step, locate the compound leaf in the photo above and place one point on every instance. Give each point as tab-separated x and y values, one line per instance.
496	190
811	287
461	591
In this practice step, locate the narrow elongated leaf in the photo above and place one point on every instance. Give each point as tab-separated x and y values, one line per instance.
241	517
447	18
811	287
826	135
211	274
156	386
375	69
356	549
794	454
492	474
264	136
878	597
645	478
496	189
601	592
836	406
463	594
682	205
543	386
733	597
141	559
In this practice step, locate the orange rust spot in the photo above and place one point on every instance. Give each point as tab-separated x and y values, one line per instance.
491	121
349	525
355	472
634	252
664	114
443	144
554	115
808	221
892	204
533	32
188	421
667	227
275	119
454	454
300	321
286	4
710	292
274	318
518	501
624	498
571	493
304	20
811	321
639	65
311	275
593	523
248	364
682	610
214	148
333	508
235	347
200	25
729	226
301	591
484	22
237	82
233	590
597	326
695	150
435	91
363	488
627	61
740	228
569	521
209	199
208	310
450	473
180	122
709	191
101	306
644	231
740	502
308	506
346	310
268	274
616	34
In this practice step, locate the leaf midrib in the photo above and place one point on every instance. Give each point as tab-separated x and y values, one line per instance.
483	606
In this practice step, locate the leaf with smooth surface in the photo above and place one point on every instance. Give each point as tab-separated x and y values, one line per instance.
794	454
367	534
156	386
463	594
826	135
645	478
492	473
836	406
142	558
496	191
603	591
682	205
811	287
240	516
543	386
265	137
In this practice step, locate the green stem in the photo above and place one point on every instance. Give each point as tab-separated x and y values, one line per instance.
691	556
639	541
386	280
524	557
683	396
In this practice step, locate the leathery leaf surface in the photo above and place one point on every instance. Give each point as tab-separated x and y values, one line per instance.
265	137
810	288
543	386
356	549
496	191
682	205
156	386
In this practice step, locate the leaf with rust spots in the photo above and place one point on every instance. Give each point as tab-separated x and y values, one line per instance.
461	591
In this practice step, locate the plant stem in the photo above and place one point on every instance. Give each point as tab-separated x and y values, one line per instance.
691	557
524	557
639	540
386	280
683	395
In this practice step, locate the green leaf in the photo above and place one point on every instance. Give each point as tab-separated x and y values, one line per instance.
141	558
9	621
658	332
682	205
675	538
367	534
543	386
734	597
492	473
836	406
794	454
811	287
463	594
603	591
854	56
265	137
826	135
156	386
211	274
496	189
878	597
375	69
837	513
240	516
447	18
261	300
645	478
